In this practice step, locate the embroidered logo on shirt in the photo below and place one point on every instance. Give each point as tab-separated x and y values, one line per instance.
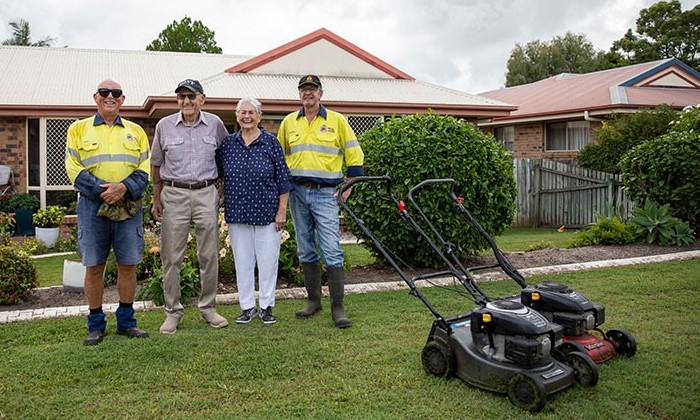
129	137
325	129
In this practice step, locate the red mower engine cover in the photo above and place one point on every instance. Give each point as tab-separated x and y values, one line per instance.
598	350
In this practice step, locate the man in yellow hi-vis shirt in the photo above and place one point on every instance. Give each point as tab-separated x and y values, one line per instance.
316	141
108	162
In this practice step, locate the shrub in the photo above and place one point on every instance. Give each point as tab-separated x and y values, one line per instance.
605	231
414	148
18	276
653	223
50	217
26	201
620	134
189	284
667	170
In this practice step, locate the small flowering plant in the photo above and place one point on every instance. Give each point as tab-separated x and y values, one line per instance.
7	221
50	217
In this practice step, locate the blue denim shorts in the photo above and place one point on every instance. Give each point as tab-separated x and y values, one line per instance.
97	235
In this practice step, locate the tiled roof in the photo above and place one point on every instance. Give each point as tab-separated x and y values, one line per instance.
635	86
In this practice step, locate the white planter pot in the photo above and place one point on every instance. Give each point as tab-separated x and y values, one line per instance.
73	276
47	236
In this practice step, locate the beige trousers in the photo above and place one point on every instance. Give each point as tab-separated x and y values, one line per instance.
180	207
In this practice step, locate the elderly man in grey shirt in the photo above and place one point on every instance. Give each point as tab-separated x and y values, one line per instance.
184	176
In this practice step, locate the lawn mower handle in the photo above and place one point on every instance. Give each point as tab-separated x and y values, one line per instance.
354	180
422	184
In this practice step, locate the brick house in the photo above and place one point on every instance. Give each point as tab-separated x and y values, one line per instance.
558	116
46	89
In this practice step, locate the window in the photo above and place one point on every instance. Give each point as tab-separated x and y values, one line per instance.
572	135
362	123
46	151
506	135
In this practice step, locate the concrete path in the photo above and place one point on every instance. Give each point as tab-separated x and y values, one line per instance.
300	293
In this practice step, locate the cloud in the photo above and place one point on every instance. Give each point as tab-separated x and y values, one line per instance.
461	44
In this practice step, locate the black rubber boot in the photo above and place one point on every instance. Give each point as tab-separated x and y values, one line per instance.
336	288
312	281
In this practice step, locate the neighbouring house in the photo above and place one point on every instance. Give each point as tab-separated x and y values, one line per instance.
46	89
557	116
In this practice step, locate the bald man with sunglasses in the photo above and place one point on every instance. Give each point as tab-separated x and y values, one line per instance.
108	163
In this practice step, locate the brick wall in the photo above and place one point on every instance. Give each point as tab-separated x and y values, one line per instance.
12	148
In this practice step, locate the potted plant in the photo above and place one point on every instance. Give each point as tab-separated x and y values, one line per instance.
48	224
23	205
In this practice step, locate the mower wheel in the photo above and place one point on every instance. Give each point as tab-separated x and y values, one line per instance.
526	393
624	342
438	360
585	370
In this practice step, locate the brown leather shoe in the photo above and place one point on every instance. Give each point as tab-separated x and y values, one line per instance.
133	333
94	338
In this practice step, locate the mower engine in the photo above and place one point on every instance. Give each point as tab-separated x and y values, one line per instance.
576	314
564	306
507	331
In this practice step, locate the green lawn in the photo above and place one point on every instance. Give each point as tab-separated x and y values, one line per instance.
310	369
50	269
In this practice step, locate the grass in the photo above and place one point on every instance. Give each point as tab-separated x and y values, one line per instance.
49	270
310	369
523	239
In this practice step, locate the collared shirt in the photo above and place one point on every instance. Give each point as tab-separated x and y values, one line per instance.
315	151
254	178
110	154
187	153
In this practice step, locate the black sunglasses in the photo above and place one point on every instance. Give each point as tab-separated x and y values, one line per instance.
190	96
104	92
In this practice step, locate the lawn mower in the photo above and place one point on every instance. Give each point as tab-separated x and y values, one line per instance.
560	304
501	345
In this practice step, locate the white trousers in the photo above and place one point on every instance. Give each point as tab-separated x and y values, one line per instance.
255	244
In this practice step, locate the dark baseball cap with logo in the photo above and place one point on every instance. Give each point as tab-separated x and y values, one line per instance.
310	79
190	84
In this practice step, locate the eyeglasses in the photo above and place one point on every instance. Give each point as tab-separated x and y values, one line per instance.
246	112
104	92
309	89
190	96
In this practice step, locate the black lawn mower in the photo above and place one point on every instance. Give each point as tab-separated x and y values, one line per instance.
557	302
501	345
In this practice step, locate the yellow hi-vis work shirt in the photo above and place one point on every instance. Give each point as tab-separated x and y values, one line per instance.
315	152
109	153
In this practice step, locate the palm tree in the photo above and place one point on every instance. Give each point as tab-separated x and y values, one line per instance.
21	36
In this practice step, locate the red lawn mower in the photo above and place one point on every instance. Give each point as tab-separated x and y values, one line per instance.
501	345
580	318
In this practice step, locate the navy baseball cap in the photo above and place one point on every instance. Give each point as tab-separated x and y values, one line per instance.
190	84
310	79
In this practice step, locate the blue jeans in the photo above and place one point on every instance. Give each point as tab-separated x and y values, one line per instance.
317	225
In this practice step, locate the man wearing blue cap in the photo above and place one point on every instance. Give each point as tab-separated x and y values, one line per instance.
316	142
184	172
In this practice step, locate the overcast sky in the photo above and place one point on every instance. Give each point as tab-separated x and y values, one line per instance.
460	44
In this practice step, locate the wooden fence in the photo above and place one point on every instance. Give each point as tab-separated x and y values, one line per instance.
552	193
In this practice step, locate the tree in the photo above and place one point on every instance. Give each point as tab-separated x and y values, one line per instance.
185	36
21	35
537	60
663	31
621	133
